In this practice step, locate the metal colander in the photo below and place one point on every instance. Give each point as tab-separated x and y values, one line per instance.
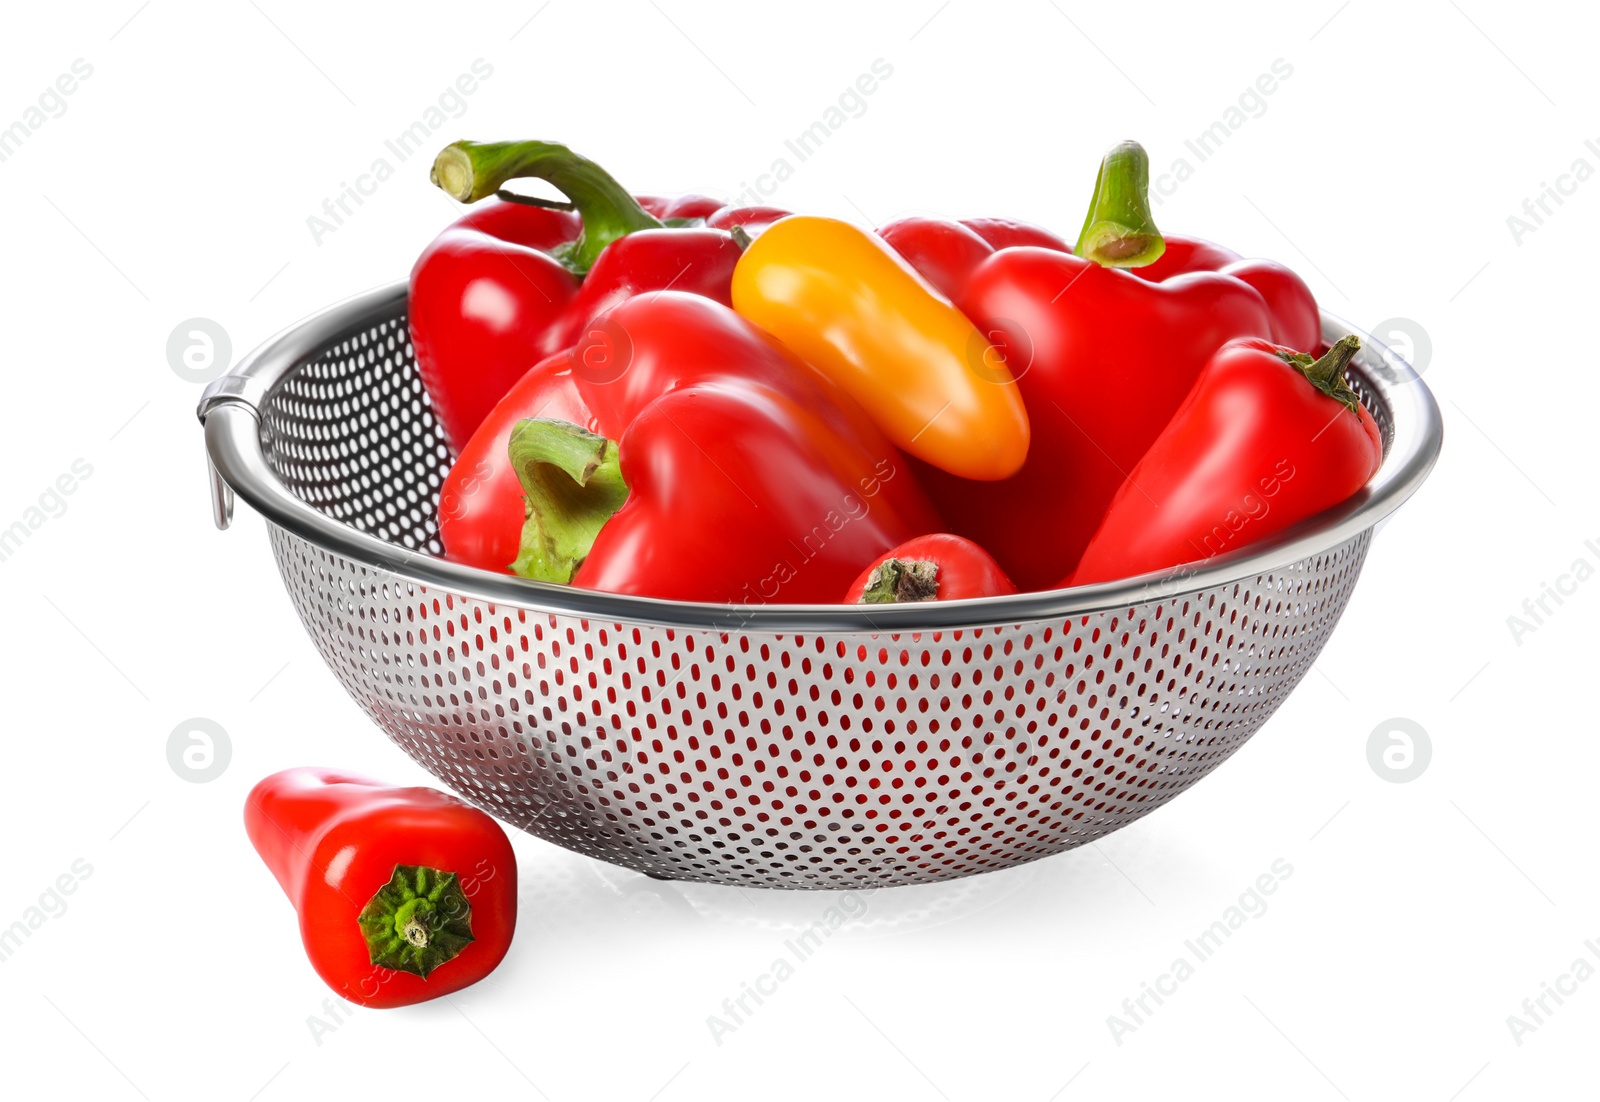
796	746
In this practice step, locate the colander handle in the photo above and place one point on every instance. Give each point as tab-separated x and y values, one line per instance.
238	387
221	498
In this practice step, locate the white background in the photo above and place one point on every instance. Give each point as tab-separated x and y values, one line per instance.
178	182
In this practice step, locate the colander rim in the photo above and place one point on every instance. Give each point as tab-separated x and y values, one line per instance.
230	411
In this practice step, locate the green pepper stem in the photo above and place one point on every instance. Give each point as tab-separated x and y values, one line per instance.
900	581
469	171
417	921
1327	372
1119	231
573	485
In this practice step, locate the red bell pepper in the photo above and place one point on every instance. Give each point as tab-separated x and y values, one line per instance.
510	283
748	477
1009	233
1119	229
1266	438
404	894
939	567
750	219
945	253
1186	254
1103	359
1296	320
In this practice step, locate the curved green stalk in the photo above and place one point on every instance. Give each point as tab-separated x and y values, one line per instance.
469	171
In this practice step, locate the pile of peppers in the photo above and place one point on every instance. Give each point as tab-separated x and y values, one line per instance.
674	398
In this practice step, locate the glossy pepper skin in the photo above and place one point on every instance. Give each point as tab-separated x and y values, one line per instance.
1103	359
1296	319
1266	438
1186	254
946	253
846	303
352	853
749	476
509	283
937	567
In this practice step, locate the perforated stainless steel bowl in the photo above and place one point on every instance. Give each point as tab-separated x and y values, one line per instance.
789	745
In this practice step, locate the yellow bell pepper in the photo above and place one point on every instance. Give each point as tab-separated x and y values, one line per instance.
840	298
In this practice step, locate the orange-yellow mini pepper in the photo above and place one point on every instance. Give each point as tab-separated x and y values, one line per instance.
840	298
